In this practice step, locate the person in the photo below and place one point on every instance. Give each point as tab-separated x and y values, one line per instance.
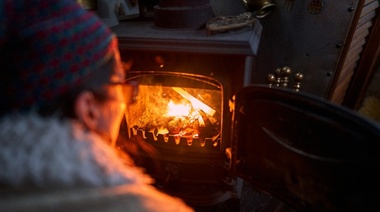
62	99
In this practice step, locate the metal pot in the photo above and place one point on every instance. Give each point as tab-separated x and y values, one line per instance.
261	7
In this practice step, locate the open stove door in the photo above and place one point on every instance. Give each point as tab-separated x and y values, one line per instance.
305	151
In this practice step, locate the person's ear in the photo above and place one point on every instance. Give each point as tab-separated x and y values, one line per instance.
86	109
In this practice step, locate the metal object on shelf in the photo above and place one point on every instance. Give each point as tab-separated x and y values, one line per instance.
280	78
226	23
298	77
261	7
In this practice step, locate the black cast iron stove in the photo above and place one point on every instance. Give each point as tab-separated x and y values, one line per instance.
187	79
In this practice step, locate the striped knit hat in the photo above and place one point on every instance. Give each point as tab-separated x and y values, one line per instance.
48	47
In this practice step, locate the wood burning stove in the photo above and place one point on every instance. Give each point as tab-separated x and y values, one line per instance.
205	138
187	80
181	115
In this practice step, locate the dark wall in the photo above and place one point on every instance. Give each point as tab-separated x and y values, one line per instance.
294	37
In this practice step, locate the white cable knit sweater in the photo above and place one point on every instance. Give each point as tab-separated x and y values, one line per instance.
61	154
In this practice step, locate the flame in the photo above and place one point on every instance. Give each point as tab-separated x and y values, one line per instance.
194	101
178	109
174	111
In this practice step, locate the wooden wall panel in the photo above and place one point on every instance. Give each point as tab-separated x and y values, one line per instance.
355	44
369	62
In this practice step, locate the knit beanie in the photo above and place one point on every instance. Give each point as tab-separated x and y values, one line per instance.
48	47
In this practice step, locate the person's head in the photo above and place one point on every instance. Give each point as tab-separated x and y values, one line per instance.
59	59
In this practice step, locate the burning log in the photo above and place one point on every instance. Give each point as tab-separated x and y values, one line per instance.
176	125
194	101
211	127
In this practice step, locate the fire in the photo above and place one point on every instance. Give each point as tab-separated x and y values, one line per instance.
177	112
194	101
178	109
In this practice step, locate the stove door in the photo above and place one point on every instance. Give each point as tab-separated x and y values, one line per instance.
305	151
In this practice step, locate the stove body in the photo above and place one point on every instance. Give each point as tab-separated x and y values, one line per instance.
187	80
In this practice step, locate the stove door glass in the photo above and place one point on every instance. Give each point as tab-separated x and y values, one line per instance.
186	108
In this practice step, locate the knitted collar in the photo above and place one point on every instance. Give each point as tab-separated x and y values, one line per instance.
49	152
